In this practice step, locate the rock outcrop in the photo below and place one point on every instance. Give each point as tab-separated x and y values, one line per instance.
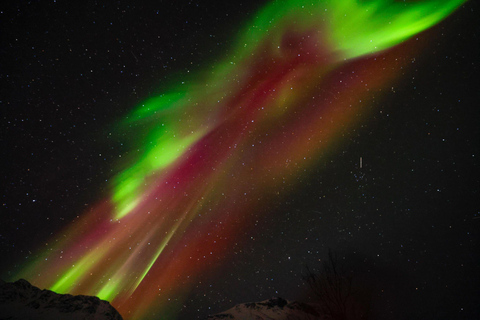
20	300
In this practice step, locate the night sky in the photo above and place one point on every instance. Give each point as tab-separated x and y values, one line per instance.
405	222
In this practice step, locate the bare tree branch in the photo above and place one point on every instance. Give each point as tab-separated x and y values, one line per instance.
334	290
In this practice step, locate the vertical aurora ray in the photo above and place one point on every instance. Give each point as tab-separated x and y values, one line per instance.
217	148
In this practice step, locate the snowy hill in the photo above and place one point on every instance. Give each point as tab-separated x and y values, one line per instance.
21	300
278	309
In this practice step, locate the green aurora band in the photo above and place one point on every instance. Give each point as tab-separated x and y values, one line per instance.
384	24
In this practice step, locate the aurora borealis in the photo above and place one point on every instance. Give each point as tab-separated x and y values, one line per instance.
216	149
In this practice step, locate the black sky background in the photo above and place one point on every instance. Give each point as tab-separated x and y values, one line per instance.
407	223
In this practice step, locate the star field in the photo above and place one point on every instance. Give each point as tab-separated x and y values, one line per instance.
405	220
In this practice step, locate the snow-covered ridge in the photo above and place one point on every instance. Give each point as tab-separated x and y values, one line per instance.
21	300
277	308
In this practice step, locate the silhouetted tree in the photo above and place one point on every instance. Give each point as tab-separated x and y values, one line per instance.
333	288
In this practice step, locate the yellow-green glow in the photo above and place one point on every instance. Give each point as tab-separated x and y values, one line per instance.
155	105
355	27
71	277
130	183
109	290
365	27
160	249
